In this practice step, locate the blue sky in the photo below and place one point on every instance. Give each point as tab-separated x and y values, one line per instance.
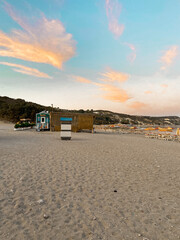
99	54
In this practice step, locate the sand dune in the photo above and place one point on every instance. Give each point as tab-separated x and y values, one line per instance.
97	186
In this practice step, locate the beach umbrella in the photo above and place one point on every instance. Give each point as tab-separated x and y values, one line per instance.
169	129
149	129
177	132
163	129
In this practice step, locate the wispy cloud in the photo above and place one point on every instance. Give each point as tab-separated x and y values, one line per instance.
168	57
81	79
26	70
132	56
137	105
148	92
113	10
109	91
45	42
113	93
164	85
114	76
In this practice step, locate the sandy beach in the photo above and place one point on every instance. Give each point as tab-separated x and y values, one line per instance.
96	186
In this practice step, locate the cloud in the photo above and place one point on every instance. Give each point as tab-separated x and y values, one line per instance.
148	92
110	92
46	41
168	57
137	105
26	70
131	57
113	76
164	85
113	93
113	10
82	79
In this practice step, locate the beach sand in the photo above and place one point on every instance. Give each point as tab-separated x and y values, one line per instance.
96	186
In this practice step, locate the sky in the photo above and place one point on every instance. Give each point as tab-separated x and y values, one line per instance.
117	55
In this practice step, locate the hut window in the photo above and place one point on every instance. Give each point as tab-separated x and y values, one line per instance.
42	120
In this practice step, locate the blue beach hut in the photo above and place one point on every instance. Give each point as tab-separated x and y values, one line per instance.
43	121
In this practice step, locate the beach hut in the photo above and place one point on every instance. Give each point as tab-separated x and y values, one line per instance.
80	121
43	121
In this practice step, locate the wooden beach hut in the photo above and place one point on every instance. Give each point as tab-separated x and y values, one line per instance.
43	121
80	121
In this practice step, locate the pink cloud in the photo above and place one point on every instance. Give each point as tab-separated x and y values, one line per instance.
82	79
110	92
169	57
44	42
148	92
164	85
113	76
137	105
131	46
113	93
26	70
113	10
131	57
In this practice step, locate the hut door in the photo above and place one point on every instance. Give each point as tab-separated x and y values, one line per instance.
42	120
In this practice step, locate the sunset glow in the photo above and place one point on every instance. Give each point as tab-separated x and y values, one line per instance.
46	42
115	55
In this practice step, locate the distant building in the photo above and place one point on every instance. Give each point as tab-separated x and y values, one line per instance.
80	121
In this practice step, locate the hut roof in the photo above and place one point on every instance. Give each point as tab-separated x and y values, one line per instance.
25	119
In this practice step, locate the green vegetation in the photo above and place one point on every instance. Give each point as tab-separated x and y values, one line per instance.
104	119
125	121
15	109
22	125
101	117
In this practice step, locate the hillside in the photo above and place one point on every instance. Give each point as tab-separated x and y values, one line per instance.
135	119
14	109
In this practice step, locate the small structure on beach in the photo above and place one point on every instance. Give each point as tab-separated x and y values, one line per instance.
24	124
80	121
43	121
25	120
66	128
